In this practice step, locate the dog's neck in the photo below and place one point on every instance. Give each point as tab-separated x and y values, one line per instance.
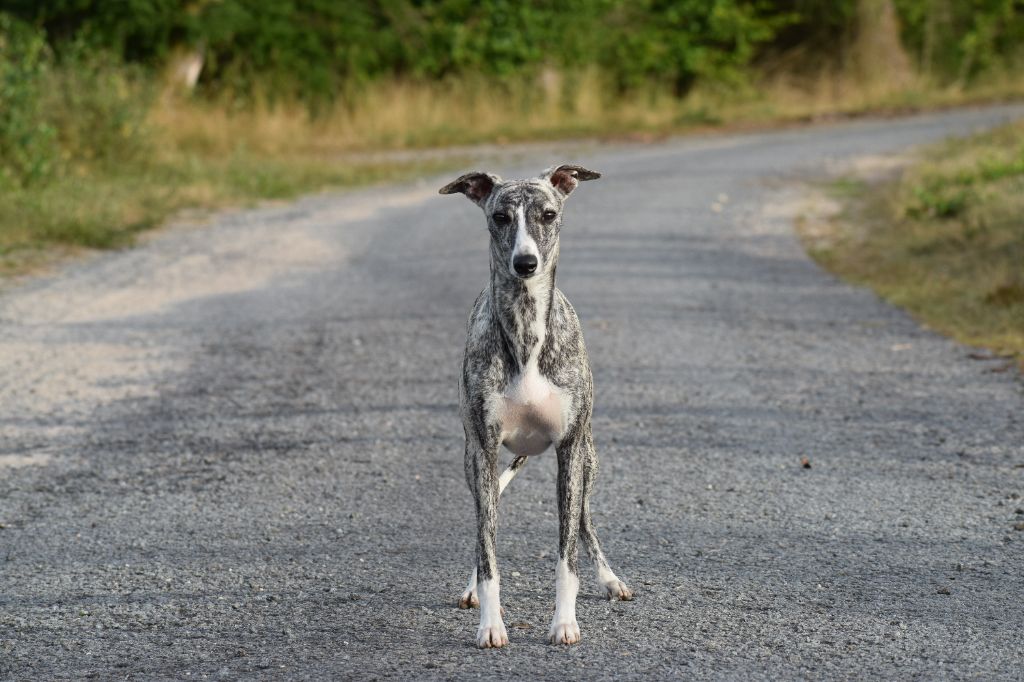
522	310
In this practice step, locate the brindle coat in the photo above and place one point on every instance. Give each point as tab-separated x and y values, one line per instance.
526	384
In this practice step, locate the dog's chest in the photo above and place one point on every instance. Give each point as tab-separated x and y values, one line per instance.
532	412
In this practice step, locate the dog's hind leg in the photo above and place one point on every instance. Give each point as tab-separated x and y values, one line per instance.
508	474
564	628
614	588
469	599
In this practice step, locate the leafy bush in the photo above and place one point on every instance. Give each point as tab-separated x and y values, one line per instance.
320	49
678	42
956	40
59	114
98	107
28	149
324	49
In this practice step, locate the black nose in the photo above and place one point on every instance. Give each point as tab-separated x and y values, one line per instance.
525	265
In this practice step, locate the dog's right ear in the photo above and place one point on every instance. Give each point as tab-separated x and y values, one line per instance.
476	186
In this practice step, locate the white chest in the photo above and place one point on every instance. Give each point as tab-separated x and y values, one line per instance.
533	413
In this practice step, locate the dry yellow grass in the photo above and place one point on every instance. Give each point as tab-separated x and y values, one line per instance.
401	114
404	114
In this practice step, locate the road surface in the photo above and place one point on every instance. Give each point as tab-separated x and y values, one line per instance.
234	451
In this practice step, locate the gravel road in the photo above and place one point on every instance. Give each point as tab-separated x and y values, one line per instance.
234	451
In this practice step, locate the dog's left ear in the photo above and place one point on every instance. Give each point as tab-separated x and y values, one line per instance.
565	178
476	186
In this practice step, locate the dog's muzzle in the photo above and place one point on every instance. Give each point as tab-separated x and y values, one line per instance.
525	265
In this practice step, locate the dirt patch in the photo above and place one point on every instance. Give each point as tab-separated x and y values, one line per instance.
61	355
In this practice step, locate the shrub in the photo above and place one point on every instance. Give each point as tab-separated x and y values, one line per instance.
28	150
59	114
98	108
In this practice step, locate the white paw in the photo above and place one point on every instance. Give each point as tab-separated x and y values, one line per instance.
616	589
468	600
491	637
564	633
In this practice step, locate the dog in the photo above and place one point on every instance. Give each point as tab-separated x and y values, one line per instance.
526	384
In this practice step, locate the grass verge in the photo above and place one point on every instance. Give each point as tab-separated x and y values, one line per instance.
108	208
943	238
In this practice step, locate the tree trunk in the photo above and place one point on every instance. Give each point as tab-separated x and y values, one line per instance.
185	66
881	60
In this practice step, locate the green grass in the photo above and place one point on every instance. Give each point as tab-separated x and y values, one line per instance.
945	239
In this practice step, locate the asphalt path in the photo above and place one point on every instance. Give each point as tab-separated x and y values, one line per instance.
234	450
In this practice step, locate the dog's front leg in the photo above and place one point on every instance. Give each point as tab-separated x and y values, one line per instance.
482	472
564	628
469	599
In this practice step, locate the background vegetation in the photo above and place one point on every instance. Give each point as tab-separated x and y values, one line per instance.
324	50
113	114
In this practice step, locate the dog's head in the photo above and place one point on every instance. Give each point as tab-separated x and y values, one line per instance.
523	216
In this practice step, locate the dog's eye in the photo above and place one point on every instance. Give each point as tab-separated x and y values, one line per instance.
502	219
549	215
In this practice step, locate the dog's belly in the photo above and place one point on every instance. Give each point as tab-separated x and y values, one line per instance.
533	414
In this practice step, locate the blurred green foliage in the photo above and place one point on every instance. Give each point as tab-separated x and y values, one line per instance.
86	107
960	39
949	194
322	49
319	48
98	106
28	149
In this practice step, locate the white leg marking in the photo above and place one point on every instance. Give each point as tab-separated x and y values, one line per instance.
469	600
491	632
614	588
564	628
